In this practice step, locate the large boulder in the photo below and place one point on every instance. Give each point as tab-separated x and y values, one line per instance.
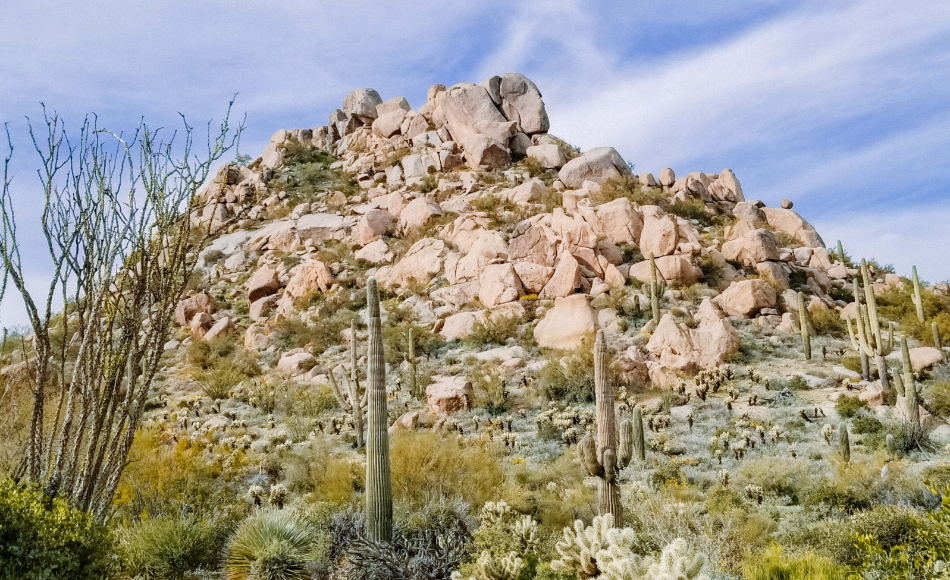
790	223
660	234
747	297
568	325
186	309
684	349
565	279
306	279
373	224
726	187
447	395
533	242
597	165
362	103
675	269
296	363
464	105
490	246
320	227
392	105
418	213
752	248
619	221
922	357
521	102
262	283
549	155
667	177
423	261
388	124
499	283
483	152
533	276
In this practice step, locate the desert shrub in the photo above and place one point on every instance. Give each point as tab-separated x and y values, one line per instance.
691	209
324	475
427	467
45	539
937	397
293	332
396	334
185	476
489	388
849	406
777	475
629	187
864	424
533	166
774	564
835	538
852	362
218	383
827	321
568	378
273	544
428	183
309	175
492	330
171	547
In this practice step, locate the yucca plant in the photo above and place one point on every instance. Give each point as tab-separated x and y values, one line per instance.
272	545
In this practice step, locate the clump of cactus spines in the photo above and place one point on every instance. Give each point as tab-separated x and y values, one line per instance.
803	322
844	443
910	387
603	459
918	301
379	498
870	339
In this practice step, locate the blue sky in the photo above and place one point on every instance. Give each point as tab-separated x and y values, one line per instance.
843	107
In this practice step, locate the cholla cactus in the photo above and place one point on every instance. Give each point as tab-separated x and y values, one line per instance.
579	550
827	432
724	478
676	564
494	511
508	568
278	494
526	528
844	443
255	494
755	493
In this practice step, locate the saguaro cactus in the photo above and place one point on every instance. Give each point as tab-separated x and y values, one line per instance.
937	342
379	496
844	443
657	289
891	445
351	401
918	301
870	336
411	354
840	252
602	459
803	322
638	441
910	387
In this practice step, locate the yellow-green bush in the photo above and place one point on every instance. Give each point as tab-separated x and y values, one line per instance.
428	467
46	539
171	547
775	564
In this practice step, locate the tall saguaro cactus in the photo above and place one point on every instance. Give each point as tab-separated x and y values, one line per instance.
910	387
603	459
803	322
918	301
840	252
936	331
379	495
844	443
656	291
870	336
639	443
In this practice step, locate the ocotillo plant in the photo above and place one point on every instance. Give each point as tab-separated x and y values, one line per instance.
657	289
379	495
870	336
602	459
918	302
803	322
937	342
844	443
910	387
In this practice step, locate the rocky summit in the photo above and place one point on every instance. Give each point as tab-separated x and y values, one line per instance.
452	315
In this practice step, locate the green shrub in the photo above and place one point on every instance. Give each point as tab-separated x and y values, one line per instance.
309	176
691	209
43	538
852	362
272	545
171	547
773	564
493	330
937	398
569	378
848	406
629	187
827	322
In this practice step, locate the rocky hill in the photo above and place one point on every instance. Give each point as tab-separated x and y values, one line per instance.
501	252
